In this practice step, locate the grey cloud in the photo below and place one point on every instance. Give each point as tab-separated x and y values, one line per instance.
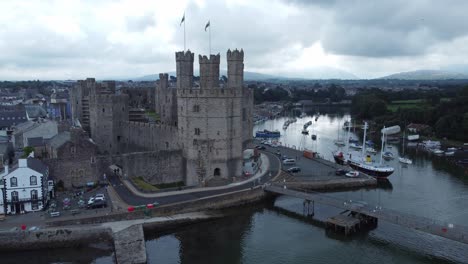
139	24
391	28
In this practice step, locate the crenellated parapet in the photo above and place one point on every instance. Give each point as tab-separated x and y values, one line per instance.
209	71
184	69
163	80
186	56
210	93
235	55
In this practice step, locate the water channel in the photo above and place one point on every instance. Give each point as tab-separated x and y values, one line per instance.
431	187
275	232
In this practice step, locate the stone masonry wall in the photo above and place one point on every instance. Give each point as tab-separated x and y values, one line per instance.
149	137
53	238
155	167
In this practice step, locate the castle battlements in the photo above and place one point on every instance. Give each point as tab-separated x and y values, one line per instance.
143	125
203	59
214	92
235	55
185	56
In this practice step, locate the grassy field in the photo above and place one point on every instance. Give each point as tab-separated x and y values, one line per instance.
143	185
411	104
394	106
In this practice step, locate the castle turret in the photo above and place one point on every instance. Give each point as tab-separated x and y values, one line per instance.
163	80
184	65
209	71
166	100
235	68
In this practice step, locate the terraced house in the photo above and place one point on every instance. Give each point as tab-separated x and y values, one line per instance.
25	188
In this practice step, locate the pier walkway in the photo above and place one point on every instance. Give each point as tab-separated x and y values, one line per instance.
423	224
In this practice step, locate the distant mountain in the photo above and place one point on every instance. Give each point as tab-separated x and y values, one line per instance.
316	73
426	75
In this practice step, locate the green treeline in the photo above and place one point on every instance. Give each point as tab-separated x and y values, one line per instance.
445	111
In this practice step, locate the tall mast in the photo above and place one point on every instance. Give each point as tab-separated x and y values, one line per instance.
364	140
382	149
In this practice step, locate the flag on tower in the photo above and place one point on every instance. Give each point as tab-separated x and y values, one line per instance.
183	20
207	25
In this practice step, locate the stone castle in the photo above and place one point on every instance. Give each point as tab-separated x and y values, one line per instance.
204	126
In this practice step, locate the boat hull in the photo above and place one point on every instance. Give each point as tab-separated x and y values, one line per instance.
370	172
339	160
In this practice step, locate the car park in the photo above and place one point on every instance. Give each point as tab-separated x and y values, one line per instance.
294	169
97	204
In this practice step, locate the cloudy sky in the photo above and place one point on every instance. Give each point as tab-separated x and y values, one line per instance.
42	39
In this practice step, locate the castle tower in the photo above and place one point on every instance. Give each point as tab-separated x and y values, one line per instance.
210	127
184	68
235	68
209	71
108	114
166	101
79	100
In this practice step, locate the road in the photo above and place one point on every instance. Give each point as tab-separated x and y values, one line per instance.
130	198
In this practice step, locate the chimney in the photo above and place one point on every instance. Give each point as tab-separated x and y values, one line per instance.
22	163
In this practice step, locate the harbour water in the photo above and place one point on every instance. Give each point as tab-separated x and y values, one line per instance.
276	231
430	187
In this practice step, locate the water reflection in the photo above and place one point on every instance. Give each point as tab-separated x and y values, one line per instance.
218	241
384	184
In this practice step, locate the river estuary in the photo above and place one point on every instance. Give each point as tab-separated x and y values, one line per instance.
275	232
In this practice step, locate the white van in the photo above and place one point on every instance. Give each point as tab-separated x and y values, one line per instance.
289	161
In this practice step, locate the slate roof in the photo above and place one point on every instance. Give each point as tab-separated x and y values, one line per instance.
10	118
58	140
4	147
37	165
35	111
36	142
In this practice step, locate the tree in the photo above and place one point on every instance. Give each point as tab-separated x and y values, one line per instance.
26	151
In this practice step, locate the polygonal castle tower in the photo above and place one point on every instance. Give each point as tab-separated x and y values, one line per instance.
213	120
166	101
108	113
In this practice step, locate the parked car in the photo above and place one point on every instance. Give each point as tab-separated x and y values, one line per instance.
100	196
289	161
278	153
341	172
294	169
260	147
97	204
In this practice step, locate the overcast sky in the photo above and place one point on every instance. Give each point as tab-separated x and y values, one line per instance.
42	39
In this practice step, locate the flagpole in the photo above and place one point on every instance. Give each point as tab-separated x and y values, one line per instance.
209	35
184	32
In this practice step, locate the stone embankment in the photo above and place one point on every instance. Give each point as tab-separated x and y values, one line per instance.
57	237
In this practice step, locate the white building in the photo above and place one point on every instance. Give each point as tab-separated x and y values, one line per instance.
25	188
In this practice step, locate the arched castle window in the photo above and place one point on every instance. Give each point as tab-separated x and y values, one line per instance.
103	110
14	182
196	108
167	145
33	180
197	131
